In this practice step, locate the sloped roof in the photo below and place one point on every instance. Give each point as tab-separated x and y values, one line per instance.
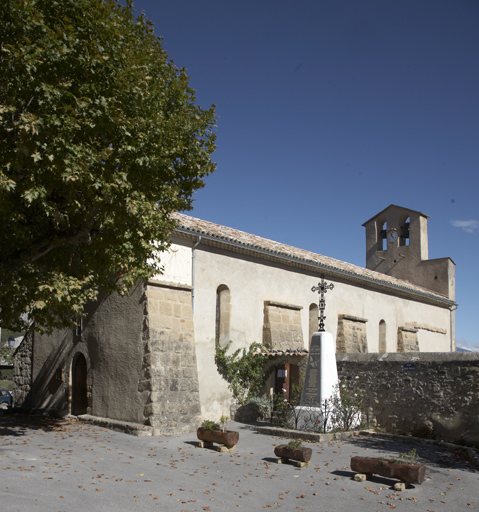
269	249
394	206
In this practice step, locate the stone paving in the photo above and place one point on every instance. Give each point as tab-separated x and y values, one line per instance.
58	466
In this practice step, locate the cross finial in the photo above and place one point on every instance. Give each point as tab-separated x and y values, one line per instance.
322	288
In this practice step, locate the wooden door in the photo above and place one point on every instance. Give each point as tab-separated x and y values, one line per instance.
79	387
286	376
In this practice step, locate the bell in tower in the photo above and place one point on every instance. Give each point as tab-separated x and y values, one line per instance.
397	245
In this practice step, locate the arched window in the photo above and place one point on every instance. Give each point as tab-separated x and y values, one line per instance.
313	320
223	314
404	235
382	231
382	337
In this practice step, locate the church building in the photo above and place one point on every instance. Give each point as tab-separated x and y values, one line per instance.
147	360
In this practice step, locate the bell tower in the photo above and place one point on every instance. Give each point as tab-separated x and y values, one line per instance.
397	245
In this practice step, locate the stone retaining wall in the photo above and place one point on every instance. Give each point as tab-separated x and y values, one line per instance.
406	391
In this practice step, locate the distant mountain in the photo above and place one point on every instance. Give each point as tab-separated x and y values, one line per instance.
462	349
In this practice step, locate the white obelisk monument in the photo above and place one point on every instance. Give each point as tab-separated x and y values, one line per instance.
321	381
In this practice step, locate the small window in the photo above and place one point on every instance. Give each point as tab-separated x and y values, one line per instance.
79	327
382	337
223	314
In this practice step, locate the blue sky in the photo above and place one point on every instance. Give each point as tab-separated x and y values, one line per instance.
329	111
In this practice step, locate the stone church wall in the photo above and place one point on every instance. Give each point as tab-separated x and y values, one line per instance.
282	328
110	339
352	335
406	391
22	372
407	339
171	374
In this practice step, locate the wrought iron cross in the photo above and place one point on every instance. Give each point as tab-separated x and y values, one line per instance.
322	288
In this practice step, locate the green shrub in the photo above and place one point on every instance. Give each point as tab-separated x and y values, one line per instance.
294	444
262	405
409	457
210	425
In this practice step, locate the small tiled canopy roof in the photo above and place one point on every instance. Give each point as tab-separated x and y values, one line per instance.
288	352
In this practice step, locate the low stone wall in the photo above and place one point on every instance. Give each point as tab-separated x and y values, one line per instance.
404	392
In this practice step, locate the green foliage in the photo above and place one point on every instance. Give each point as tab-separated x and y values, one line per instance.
210	425
351	395
100	140
283	413
294	444
223	421
286	412
245	371
263	406
6	355
347	406
409	457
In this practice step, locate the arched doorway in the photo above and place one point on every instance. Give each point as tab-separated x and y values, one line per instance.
79	385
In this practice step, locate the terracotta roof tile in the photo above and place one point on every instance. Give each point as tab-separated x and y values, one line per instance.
287	352
219	232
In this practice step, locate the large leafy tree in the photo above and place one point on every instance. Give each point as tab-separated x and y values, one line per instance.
100	140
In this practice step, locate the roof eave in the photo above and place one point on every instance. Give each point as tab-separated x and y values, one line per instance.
393	206
423	296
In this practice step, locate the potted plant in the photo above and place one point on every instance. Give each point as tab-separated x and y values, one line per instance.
294	450
405	468
211	432
223	421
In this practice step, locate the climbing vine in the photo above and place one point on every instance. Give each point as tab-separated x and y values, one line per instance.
245	371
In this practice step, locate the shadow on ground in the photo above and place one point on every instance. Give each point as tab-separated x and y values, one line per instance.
17	425
429	453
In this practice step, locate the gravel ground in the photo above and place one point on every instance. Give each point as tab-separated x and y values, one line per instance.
65	465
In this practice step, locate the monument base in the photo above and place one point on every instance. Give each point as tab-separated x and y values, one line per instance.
321	380
320	409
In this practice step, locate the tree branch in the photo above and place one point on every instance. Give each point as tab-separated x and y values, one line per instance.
81	237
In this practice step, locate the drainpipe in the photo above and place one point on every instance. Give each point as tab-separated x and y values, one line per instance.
453	308
193	274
